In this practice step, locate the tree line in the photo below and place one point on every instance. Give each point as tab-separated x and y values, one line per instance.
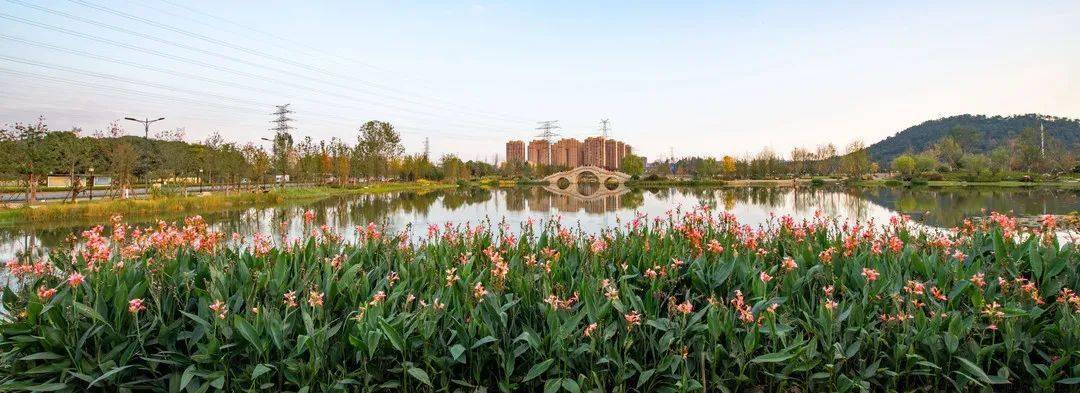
30	152
1029	152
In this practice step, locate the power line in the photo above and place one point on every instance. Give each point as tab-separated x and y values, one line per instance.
182	74
216	42
304	47
212	106
209	53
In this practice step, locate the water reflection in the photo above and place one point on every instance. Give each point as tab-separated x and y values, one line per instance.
593	206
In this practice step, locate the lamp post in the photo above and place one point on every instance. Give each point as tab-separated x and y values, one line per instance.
146	124
90	186
200	180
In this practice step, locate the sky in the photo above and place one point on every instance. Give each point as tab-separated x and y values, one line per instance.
682	78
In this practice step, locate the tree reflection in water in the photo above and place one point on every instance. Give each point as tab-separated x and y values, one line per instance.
593	205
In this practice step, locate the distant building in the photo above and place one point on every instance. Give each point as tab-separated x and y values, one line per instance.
515	151
611	154
594	151
539	152
570	152
566	152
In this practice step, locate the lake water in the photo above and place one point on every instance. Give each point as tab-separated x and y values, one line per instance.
595	207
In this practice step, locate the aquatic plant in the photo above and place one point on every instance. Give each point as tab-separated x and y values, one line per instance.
688	301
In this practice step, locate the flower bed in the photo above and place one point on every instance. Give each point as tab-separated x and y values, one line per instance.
691	301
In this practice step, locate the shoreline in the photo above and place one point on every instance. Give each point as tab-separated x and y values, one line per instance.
195	204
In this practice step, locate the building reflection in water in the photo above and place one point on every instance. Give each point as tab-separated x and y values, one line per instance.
593	206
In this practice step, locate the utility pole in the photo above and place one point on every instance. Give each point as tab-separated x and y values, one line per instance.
547	129
282	138
603	141
146	124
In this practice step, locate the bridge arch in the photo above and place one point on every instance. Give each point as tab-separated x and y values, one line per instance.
576	175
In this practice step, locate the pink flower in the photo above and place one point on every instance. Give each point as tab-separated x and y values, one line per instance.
789	264
315	298
136	305
219	308
715	247
632	319
685	308
309	216
831	305
590	329
870	274
45	293
289	299
75	279
765	277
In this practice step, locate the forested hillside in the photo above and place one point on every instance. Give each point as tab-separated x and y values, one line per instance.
989	132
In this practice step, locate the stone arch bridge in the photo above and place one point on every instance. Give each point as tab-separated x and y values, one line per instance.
575	175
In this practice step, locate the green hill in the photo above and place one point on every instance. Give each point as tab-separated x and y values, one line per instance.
993	131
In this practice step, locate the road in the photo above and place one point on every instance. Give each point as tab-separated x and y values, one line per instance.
43	196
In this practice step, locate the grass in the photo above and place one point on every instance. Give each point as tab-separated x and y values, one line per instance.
194	204
692	301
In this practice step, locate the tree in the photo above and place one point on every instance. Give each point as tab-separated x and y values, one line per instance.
856	160
728	166
632	165
30	155
341	159
709	168
949	152
826	159
73	156
1001	159
377	144
967	137
925	162
453	168
282	149
905	164
800	158
258	163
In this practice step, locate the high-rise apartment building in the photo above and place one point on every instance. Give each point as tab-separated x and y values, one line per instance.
566	152
593	151
570	152
539	152
515	151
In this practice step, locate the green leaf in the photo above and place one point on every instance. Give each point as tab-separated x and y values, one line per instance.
260	369
456	351
538	369
47	387
247	331
644	377
109	374
974	369
420	375
482	341
89	312
42	356
1069	381
774	357
185	379
393	335
571	385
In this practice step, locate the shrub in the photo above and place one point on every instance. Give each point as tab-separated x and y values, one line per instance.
693	302
817	182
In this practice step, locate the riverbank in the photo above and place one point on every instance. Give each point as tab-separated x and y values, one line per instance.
196	204
960	183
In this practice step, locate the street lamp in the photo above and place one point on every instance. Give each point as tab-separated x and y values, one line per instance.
200	179
146	124
91	185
